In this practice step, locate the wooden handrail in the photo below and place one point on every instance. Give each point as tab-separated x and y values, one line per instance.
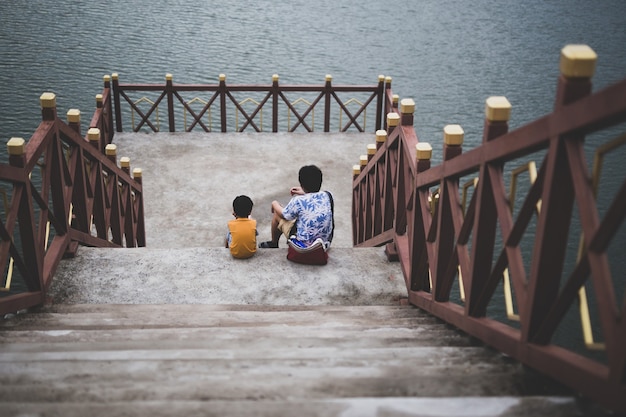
64	191
218	98
416	210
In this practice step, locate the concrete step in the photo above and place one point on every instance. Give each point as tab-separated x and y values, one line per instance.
353	276
257	360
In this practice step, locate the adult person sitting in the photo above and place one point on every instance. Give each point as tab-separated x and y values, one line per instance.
309	213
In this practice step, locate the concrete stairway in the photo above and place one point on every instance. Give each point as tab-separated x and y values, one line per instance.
164	360
180	328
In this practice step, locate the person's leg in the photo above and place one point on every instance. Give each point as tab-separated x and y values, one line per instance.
276	232
279	227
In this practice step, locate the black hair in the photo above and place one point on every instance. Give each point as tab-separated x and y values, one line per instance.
242	205
310	178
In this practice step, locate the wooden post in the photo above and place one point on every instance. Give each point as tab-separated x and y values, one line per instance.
419	268
452	141
395	99
48	103
32	257
388	109
137	175
328	91
111	152
393	120
381	138
356	171
118	107
497	113
363	161
371	151
141	228
423	155
577	66
125	164
169	91
16	148
275	91
73	120
380	102
93	136
98	101
222	92
407	108
107	112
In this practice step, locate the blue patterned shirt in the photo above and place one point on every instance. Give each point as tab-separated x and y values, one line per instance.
314	216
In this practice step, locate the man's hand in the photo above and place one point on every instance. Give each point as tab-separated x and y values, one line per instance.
297	191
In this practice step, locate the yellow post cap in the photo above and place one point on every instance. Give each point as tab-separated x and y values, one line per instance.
329	77
453	135
356	169
363	160
115	76
48	100
73	116
111	149
16	146
125	162
98	98
423	151
106	78
275	77
407	106
371	149
169	77
497	109
395	98
137	173
381	136
381	78
388	79
93	134
393	119
578	61
222	77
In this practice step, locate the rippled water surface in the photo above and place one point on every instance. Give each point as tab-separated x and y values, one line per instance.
449	56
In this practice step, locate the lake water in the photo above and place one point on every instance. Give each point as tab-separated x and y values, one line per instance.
448	56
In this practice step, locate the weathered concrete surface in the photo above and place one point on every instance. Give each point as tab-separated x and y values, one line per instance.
147	360
191	179
189	182
212	276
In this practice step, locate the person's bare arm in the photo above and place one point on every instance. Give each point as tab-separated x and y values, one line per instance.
277	208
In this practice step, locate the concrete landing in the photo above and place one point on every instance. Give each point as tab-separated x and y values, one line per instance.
191	179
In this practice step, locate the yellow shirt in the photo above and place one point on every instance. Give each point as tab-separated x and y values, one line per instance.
242	237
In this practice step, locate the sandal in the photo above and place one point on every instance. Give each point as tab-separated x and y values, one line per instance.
268	245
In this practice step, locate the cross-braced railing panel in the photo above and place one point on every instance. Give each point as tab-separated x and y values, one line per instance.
62	191
459	233
350	107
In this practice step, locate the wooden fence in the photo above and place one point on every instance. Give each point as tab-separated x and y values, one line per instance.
220	100
459	238
62	189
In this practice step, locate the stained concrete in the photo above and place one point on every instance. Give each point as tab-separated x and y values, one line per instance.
189	182
191	179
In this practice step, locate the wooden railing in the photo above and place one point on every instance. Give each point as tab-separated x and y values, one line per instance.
458	250
219	101
60	190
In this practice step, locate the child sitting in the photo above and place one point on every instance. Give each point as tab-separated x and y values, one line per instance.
241	238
